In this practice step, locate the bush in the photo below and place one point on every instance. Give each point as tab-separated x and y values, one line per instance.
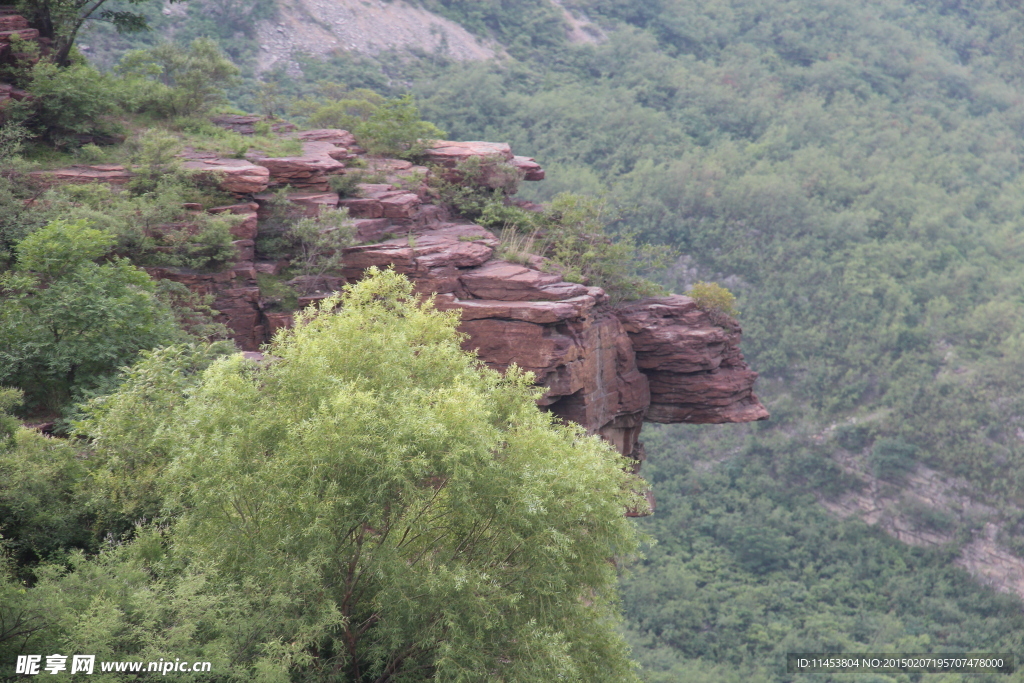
395	129
319	241
852	437
347	184
574	237
10	400
61	246
153	229
12	136
341	110
715	300
892	458
66	322
183	83
71	101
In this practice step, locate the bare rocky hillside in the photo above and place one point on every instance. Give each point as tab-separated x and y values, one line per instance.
318	27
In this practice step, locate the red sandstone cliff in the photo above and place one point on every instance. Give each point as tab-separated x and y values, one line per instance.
608	368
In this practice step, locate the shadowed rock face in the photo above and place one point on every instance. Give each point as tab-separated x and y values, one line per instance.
695	367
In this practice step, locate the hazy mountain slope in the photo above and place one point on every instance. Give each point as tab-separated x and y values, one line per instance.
317	27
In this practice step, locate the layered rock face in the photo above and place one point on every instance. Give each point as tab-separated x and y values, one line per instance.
608	368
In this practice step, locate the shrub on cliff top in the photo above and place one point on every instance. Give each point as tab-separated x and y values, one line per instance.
575	238
183	82
713	299
395	129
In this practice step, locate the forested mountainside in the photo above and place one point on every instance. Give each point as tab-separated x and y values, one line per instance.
851	171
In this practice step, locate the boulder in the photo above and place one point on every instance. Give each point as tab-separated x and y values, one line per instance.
278	321
13	22
449	153
420	254
504	281
383	201
335	136
530	169
306	203
308	171
237	176
695	367
245	250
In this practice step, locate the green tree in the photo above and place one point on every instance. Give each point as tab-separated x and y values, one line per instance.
61	20
457	531
66	321
187	82
383	508
394	128
69	101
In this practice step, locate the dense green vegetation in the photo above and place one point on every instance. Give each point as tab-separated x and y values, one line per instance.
748	566
321	517
850	170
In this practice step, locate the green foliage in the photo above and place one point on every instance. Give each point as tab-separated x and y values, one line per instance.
319	241
273	240
10	399
315	242
153	228
575	239
193	312
66	326
854	437
17	219
524	27
41	480
276	294
478	188
394	129
336	107
70	101
748	566
374	471
330	517
129	438
347	184
713	299
892	458
12	136
62	246
185	82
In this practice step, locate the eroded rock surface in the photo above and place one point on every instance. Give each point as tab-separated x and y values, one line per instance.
608	368
237	176
99	173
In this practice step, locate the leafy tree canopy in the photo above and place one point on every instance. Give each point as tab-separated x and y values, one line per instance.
367	504
67	322
61	20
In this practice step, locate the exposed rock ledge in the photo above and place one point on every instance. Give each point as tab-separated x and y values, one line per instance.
608	368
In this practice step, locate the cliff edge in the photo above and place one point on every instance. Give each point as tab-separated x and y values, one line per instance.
607	367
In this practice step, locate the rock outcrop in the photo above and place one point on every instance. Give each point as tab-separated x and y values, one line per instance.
608	368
